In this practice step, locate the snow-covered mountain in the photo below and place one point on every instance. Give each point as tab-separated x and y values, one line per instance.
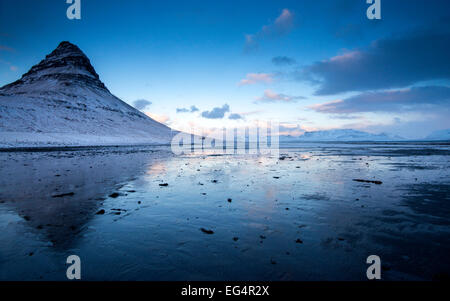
61	101
340	135
439	135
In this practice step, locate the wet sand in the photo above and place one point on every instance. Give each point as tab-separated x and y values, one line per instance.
297	217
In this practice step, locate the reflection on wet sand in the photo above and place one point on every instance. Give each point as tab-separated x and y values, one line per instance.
57	193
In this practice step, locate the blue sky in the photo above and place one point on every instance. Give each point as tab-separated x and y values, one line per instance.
310	64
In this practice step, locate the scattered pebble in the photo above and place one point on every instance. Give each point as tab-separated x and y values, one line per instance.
101	211
368	181
114	195
63	195
164	184
206	231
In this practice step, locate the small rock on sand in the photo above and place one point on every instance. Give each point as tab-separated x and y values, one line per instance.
164	184
101	211
368	181
206	231
63	195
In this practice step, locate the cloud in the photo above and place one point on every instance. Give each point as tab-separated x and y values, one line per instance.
253	78
270	96
283	61
345	117
192	109
385	64
160	118
141	104
416	98
235	116
282	25
216	113
291	129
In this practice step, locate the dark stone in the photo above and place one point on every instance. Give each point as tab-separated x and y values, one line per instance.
63	195
368	181
206	231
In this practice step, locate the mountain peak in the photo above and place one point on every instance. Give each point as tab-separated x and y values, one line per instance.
66	65
65	48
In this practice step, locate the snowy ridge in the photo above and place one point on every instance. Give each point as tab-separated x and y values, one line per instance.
61	101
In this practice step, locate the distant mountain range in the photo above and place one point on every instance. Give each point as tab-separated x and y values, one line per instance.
61	101
354	135
340	135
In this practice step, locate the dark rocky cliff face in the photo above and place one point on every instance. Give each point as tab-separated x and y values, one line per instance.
67	64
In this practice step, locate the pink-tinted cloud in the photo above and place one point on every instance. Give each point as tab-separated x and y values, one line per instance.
271	96
416	98
254	78
160	118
